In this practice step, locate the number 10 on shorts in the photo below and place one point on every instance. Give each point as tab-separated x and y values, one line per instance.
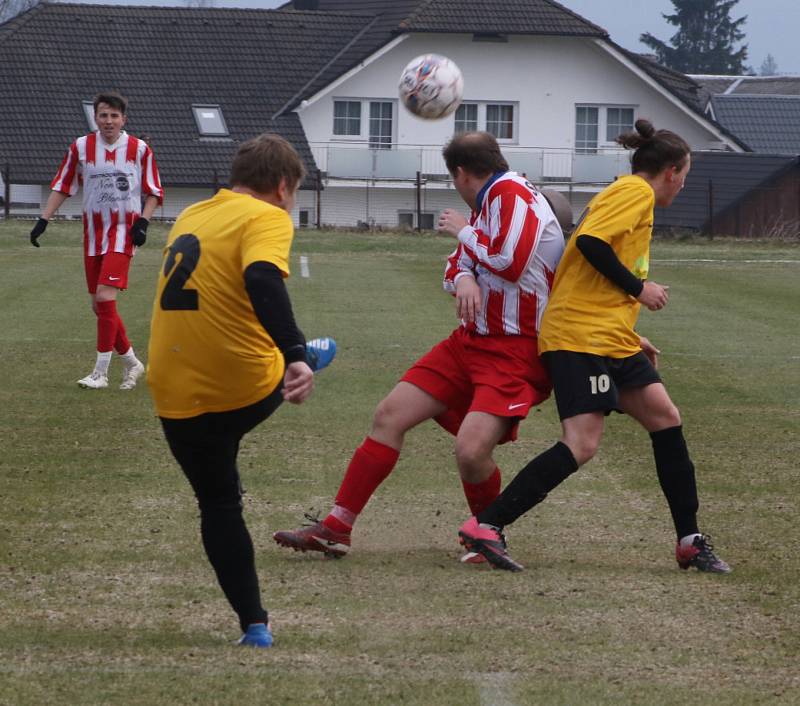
599	383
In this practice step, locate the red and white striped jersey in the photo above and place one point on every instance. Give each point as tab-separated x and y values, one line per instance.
512	247
114	177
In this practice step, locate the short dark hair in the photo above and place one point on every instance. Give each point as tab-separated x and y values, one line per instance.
261	163
656	150
112	98
476	152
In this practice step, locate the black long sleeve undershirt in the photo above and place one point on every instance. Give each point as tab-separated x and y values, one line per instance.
602	257
267	291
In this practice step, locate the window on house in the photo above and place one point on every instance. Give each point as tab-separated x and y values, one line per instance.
586	129
302	218
380	124
426	221
347	118
467	117
618	120
209	120
88	109
500	120
405	219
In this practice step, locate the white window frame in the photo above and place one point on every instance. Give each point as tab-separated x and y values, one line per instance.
628	128
198	108
482	110
603	141
380	143
465	105
354	136
514	111
364	126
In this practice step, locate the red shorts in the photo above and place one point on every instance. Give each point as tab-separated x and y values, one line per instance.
499	375
110	269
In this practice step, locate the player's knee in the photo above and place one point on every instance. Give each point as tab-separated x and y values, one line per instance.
672	416
583	447
472	455
665	418
381	418
387	416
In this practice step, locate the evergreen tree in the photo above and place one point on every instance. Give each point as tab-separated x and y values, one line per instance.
768	66
704	42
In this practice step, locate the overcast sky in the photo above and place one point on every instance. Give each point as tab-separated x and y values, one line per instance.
772	26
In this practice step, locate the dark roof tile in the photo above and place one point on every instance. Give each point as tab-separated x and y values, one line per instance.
766	123
52	62
391	18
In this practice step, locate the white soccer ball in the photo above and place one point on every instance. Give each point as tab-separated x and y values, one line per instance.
431	86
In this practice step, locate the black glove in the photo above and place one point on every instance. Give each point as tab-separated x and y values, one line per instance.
139	231
38	229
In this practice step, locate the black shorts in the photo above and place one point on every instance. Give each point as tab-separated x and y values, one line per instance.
583	382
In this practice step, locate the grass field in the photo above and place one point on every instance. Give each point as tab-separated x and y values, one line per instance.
106	596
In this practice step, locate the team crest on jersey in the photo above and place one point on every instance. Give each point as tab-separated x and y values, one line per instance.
641	267
122	182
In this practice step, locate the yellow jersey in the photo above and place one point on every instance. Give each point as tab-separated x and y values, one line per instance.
587	313
208	352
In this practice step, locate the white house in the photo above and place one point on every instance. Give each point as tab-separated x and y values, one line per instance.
553	88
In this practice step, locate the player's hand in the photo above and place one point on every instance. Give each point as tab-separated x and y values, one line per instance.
468	298
649	350
654	296
139	231
451	221
37	230
298	382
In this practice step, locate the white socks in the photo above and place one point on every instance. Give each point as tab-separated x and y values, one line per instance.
101	365
129	358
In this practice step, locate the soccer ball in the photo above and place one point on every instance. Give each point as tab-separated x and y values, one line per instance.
431	86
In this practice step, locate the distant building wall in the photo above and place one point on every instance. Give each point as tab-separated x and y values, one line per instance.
349	205
769	211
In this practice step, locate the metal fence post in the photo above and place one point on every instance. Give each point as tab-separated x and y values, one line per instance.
710	209
318	187
419	202
7	192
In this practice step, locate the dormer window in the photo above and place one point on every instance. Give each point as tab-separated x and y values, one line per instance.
210	122
88	110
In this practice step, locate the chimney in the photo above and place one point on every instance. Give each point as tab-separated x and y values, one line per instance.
306	4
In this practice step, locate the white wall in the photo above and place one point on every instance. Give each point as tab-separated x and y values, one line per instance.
546	76
378	206
341	205
176	199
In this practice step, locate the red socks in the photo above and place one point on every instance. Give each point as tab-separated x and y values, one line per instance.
106	325
481	495
372	462
110	329
121	343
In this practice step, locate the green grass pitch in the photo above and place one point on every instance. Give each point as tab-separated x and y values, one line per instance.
106	596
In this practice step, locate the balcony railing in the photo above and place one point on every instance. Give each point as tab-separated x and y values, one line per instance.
357	160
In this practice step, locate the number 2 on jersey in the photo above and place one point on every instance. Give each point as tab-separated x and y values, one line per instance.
176	297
